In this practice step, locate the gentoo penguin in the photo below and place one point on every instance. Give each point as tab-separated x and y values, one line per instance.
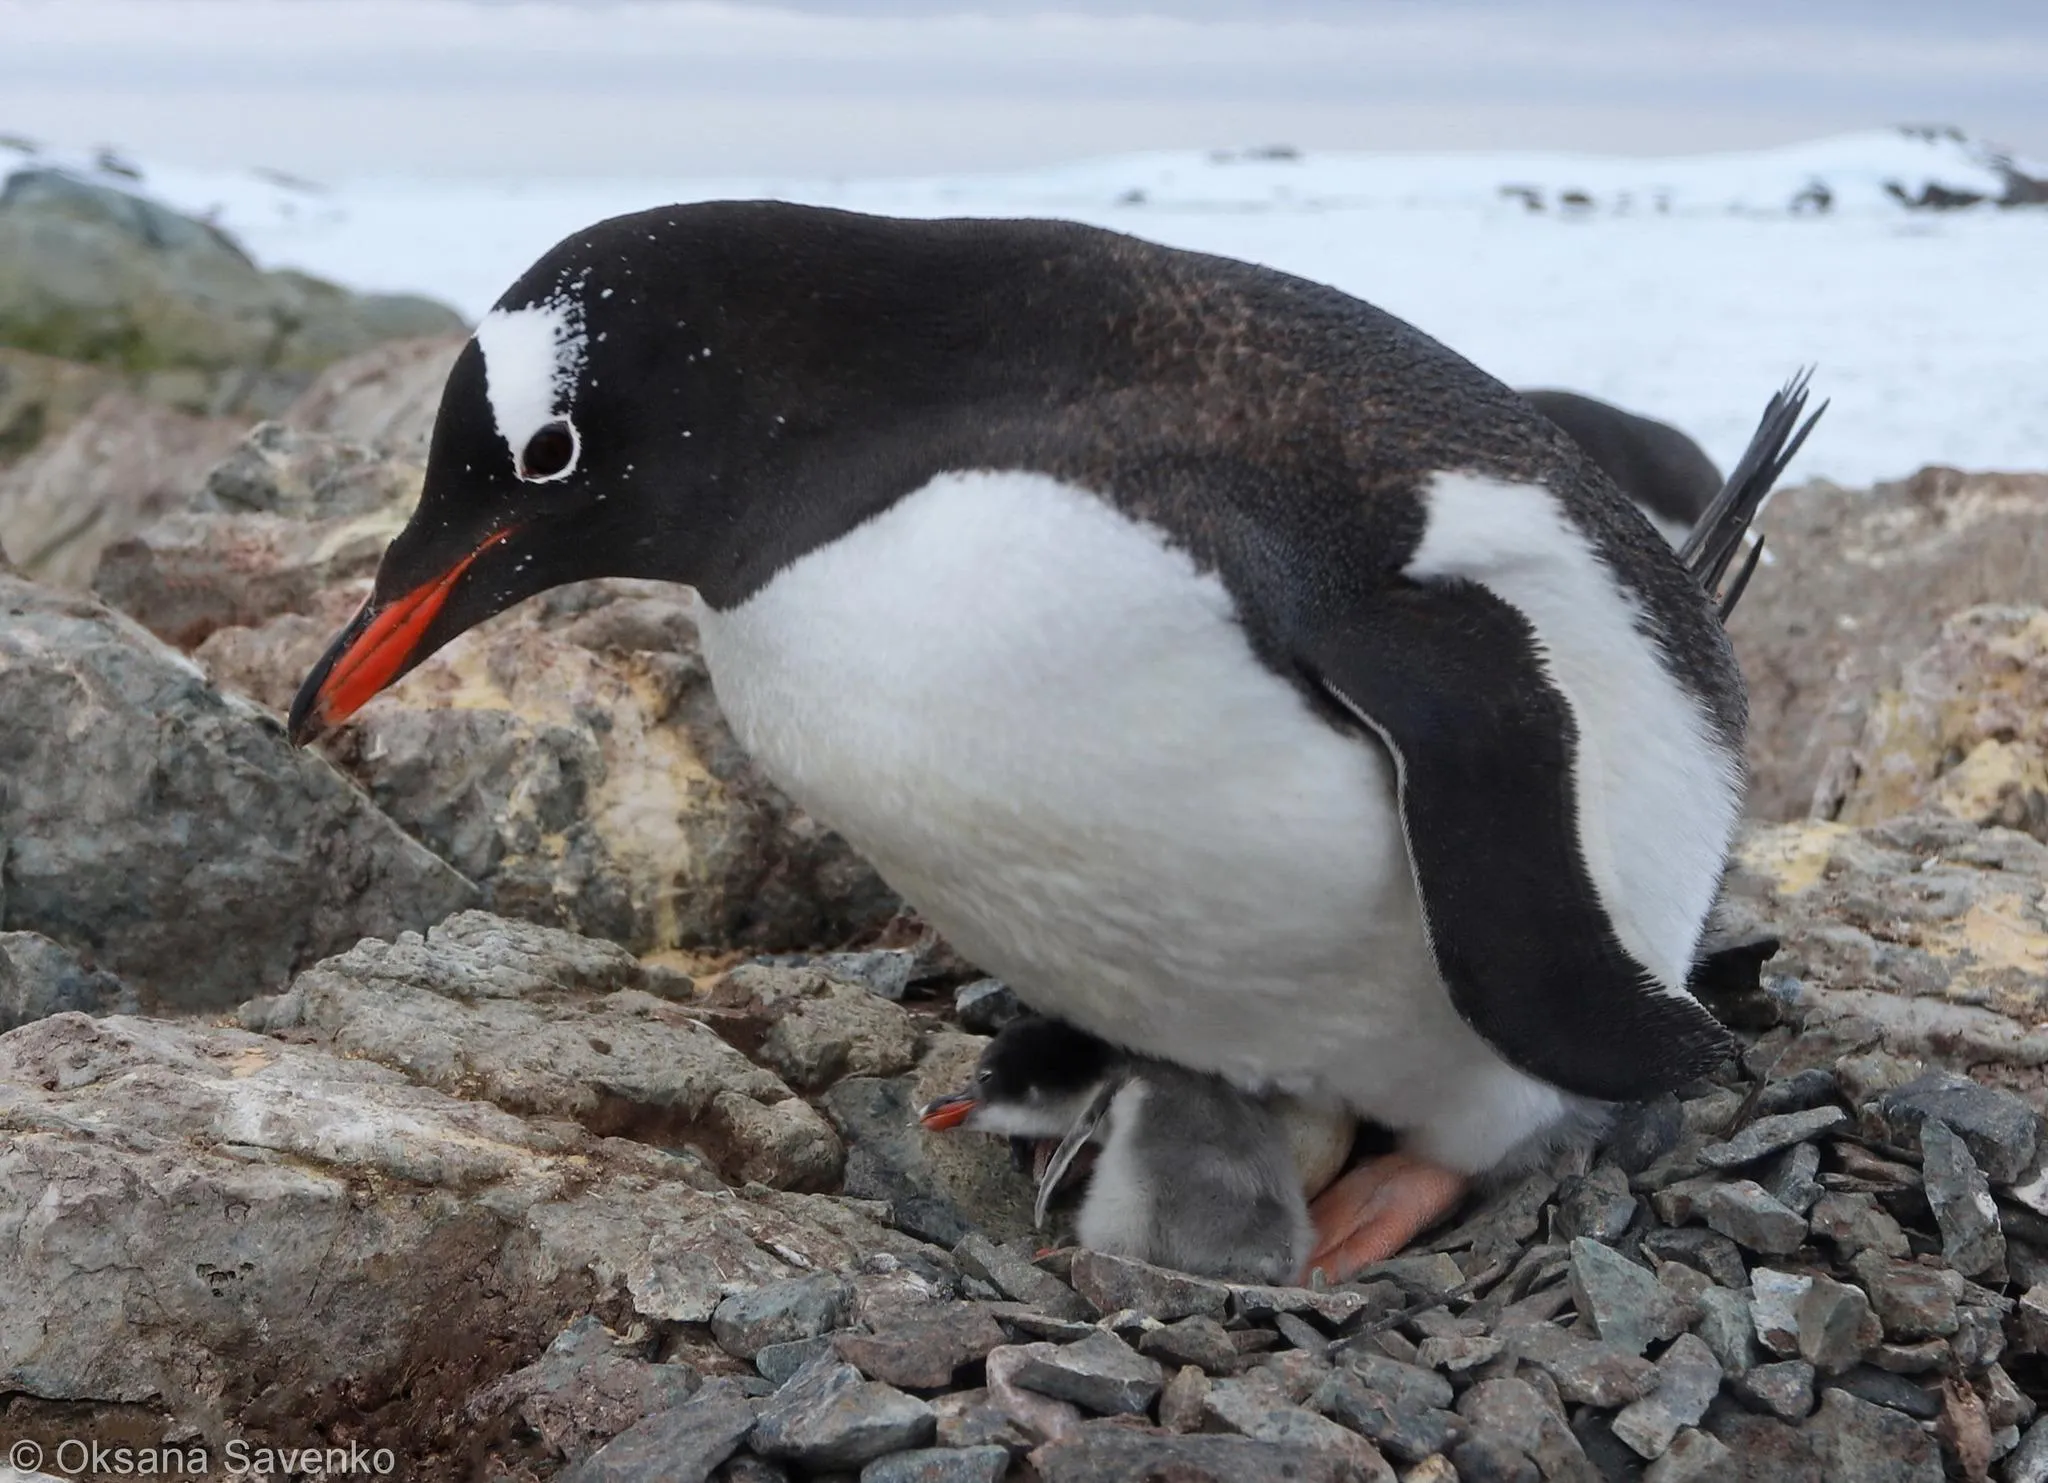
1666	473
1230	668
1192	1173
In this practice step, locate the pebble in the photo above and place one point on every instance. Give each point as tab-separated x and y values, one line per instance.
1784	1389
777	1362
1689	1377
746	1468
924	1351
1100	1373
1432	1275
2033	1319
1813	1087
1870	1444
1705	1251
1199	1340
1882	1388
1789	1178
939	1465
1040	1415
1694	1457
1336	1306
827	1416
1964	1212
1745	1213
1585	1371
971	1418
1457	1354
682	1445
1979	1338
2029	1461
1255	1410
986	1005
1774	1299
1642	1133
1110	1452
1518	1412
1836	1326
1727	1328
1768	1135
1017	1278
1596	1205
1183	1401
1116	1283
1911	1359
1626	1306
1409	1434
745	1323
1856	1222
1912	1301
2001	1130
1408	1387
1487	1457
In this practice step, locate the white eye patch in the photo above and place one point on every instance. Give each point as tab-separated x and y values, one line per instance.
531	360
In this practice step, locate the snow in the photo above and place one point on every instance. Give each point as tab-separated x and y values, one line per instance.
1686	288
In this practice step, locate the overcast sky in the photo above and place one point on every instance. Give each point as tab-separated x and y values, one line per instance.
823	87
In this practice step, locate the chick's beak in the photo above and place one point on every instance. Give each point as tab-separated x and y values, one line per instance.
947	1112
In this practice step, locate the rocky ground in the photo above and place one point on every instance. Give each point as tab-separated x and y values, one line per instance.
525	1087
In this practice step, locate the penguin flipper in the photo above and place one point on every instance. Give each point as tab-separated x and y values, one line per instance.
1449	678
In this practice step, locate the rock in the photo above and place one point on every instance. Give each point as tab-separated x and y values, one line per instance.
1184	1401
266	663
541	1021
944	1187
940	1465
187	576
1335	1307
1012	1274
2033	1319
1913	1302
39	977
1624	1304
1114	1283
985	1006
1516	1411
1764	1451
1407	1387
93	274
1768	1135
1693	1457
682	1445
1881	569
1964	1212
2000	1129
1109	1452
2029	1461
1856	1223
923	1352
601	790
174	834
1486	1457
1727	1327
1882	1388
1254	1409
1458	1353
1951	921
282	469
1643	1132
1799	1092
1744	1213
1911	1359
780	1313
1433	1276
1407	1433
1038	1416
1585	1373
123	464
1979	1338
1100	1373
1784	1389
970	1418
747	1468
1774	1301
1790	1178
1961	731
587	1387
385	396
840	1031
41	396
777	1362
1596	1205
315	1228
1836	1326
1854	1439
1198	1340
828	1417
1689	1377
1704	1251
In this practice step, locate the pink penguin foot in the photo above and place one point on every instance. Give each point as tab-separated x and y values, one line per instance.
1376	1209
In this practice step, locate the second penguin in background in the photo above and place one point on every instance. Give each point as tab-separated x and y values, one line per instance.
1191	1173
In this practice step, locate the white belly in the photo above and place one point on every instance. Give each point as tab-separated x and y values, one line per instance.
1048	732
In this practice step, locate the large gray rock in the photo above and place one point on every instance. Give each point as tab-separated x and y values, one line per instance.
385	396
249	1235
89	273
169	829
541	1021
39	977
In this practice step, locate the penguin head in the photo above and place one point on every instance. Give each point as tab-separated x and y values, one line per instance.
1033	1080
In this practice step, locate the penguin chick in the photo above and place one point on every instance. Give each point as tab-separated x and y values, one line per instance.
1192	1173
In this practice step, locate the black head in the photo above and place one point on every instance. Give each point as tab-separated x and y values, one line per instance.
1032	1081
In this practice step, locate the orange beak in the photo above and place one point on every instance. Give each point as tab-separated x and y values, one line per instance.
946	1112
373	650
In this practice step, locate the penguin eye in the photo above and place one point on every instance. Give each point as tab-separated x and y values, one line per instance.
550	453
982	1074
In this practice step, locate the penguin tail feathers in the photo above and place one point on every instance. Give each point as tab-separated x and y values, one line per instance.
1718	535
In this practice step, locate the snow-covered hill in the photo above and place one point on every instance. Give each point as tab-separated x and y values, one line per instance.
1684	287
